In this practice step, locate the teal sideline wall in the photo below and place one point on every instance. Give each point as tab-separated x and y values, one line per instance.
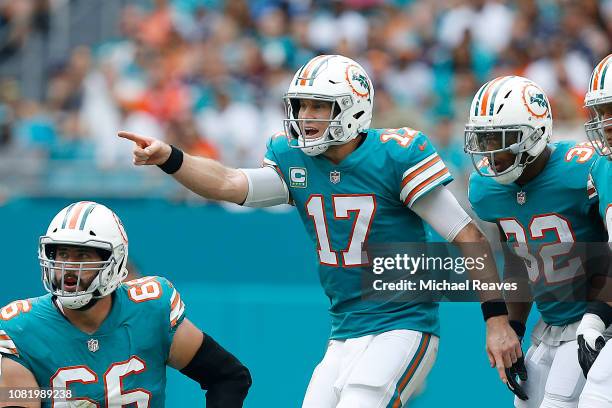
248	279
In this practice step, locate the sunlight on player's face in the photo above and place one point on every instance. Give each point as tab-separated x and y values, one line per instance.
313	109
75	256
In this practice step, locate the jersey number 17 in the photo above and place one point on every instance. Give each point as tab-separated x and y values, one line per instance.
364	207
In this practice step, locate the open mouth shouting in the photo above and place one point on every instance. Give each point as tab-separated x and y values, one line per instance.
70	283
311	132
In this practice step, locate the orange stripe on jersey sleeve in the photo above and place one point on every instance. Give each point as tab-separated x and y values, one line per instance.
181	311
9	351
418	171
177	299
424	184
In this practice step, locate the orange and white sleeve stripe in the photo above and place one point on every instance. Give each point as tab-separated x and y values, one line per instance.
177	308
591	190
422	177
6	344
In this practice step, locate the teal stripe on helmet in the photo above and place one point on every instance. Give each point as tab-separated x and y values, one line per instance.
66	215
480	96
88	210
492	104
592	80
603	74
297	77
317	68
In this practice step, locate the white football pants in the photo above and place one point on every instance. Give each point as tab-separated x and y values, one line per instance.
555	378
380	370
597	392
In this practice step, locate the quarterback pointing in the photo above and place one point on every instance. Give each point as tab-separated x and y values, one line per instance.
351	185
96	341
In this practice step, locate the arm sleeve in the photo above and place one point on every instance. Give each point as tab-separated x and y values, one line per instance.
441	210
225	378
266	187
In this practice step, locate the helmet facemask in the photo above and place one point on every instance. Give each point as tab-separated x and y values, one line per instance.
482	143
339	81
597	127
295	127
100	285
84	224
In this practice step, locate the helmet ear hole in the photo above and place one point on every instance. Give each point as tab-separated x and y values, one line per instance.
55	230
50	251
335	110
92	233
103	254
295	107
358	114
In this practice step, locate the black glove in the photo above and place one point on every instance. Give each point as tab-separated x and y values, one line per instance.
589	334
586	355
518	368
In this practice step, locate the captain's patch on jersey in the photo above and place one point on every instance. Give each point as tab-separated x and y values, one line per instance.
298	177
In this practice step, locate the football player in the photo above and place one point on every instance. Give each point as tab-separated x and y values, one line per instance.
536	193
352	185
597	391
97	341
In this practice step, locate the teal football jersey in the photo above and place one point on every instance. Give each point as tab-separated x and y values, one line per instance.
365	198
552	208
600	185
122	363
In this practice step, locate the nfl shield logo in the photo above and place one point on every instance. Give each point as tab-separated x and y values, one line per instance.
93	345
521	197
334	176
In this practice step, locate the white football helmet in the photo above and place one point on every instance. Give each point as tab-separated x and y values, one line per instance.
85	224
340	81
600	93
514	112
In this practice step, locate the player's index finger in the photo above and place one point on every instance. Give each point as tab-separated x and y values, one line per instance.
502	374
139	140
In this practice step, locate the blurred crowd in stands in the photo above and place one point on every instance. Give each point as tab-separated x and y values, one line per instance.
209	75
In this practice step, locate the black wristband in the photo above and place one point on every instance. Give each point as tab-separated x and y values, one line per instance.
601	309
518	327
174	162
492	308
